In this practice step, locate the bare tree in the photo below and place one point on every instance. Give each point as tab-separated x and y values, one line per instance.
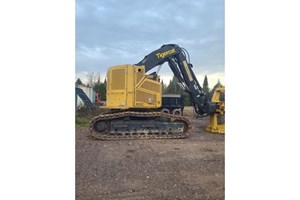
93	77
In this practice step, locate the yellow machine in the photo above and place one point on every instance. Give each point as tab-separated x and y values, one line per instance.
217	120
135	99
129	87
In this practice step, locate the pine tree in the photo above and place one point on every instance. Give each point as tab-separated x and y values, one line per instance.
101	88
206	88
175	87
170	88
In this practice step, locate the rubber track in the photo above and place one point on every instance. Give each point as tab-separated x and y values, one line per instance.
112	116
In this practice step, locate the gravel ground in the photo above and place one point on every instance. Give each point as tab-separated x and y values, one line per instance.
190	168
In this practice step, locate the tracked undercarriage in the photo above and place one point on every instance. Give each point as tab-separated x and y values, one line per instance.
138	125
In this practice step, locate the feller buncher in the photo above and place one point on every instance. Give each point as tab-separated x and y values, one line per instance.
217	120
134	98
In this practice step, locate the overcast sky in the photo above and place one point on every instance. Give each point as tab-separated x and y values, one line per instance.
114	32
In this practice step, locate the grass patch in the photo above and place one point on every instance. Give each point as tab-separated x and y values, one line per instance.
84	116
82	122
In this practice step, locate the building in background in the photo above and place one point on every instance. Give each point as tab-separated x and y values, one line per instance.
89	91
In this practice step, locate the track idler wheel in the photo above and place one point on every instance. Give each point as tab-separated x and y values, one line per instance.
102	126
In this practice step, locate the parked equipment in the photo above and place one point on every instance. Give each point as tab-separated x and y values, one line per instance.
217	120
97	98
135	99
87	102
172	104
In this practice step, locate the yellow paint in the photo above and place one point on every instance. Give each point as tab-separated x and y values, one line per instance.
129	87
215	126
187	70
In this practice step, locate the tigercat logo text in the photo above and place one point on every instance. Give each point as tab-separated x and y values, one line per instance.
164	54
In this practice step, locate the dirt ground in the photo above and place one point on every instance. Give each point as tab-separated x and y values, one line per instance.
190	168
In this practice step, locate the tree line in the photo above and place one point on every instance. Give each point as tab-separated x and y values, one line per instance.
174	87
101	89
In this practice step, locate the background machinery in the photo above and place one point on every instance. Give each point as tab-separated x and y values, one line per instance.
173	104
217	120
135	99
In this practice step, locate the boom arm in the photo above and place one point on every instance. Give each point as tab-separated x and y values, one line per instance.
182	69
